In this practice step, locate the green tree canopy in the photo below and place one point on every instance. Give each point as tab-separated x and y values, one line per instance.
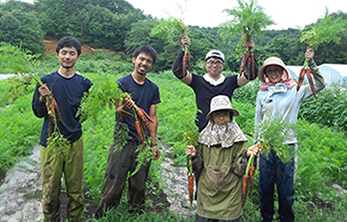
21	29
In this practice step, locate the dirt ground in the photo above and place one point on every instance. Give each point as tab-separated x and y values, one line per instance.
52	44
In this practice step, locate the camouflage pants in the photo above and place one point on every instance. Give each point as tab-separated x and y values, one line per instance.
53	165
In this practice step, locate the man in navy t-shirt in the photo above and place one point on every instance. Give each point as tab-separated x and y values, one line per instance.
67	88
145	94
211	84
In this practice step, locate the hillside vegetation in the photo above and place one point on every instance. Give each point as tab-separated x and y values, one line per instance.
116	25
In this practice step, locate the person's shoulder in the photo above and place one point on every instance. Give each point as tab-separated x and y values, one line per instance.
232	77
150	82
124	78
49	76
82	79
152	85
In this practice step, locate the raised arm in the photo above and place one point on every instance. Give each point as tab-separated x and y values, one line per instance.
178	63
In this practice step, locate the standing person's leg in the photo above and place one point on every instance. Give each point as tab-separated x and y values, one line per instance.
51	164
73	169
118	165
285	188
266	186
137	187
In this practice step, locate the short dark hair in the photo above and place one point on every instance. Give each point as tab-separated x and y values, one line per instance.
146	49
69	41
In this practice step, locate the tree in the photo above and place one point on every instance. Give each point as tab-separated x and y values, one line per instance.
13	5
22	29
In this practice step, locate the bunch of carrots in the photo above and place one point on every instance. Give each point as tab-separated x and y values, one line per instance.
306	70
186	60
55	138
248	61
142	123
190	137
249	175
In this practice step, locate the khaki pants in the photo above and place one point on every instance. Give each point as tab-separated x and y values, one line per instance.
53	165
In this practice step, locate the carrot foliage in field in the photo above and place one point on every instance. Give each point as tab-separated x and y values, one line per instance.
326	30
248	20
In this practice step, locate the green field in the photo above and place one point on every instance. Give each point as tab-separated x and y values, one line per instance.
322	154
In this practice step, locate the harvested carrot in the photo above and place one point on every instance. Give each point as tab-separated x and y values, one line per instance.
142	114
139	131
301	78
147	116
144	119
184	65
244	188
243	61
309	76
253	65
190	187
186	61
251	174
57	111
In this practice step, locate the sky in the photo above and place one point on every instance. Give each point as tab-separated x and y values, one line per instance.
203	13
285	13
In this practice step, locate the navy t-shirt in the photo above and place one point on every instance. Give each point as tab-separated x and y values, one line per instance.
204	92
143	95
68	92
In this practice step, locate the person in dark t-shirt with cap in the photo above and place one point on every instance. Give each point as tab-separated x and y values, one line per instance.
212	83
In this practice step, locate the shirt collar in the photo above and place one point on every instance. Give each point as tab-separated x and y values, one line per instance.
212	81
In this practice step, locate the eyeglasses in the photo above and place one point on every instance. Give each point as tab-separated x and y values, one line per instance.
211	63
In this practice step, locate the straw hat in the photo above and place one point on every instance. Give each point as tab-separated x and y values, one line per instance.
221	102
269	62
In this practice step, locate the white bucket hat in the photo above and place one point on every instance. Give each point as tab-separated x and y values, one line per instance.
215	53
221	102
271	61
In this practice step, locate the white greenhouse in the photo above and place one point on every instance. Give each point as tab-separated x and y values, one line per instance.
332	73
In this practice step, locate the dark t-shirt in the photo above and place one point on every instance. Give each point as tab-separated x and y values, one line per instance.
68	92
204	92
143	95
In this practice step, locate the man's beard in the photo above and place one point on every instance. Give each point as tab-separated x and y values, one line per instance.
68	67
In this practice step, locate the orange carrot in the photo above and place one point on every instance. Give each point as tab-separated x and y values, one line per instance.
142	114
147	116
243	61
184	65
251	173
301	78
56	109
191	187
253	66
188	58
309	76
244	188
139	131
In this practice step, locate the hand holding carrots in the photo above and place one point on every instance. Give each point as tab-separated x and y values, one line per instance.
128	103
253	149
309	53
249	43
44	91
185	40
190	150
157	152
